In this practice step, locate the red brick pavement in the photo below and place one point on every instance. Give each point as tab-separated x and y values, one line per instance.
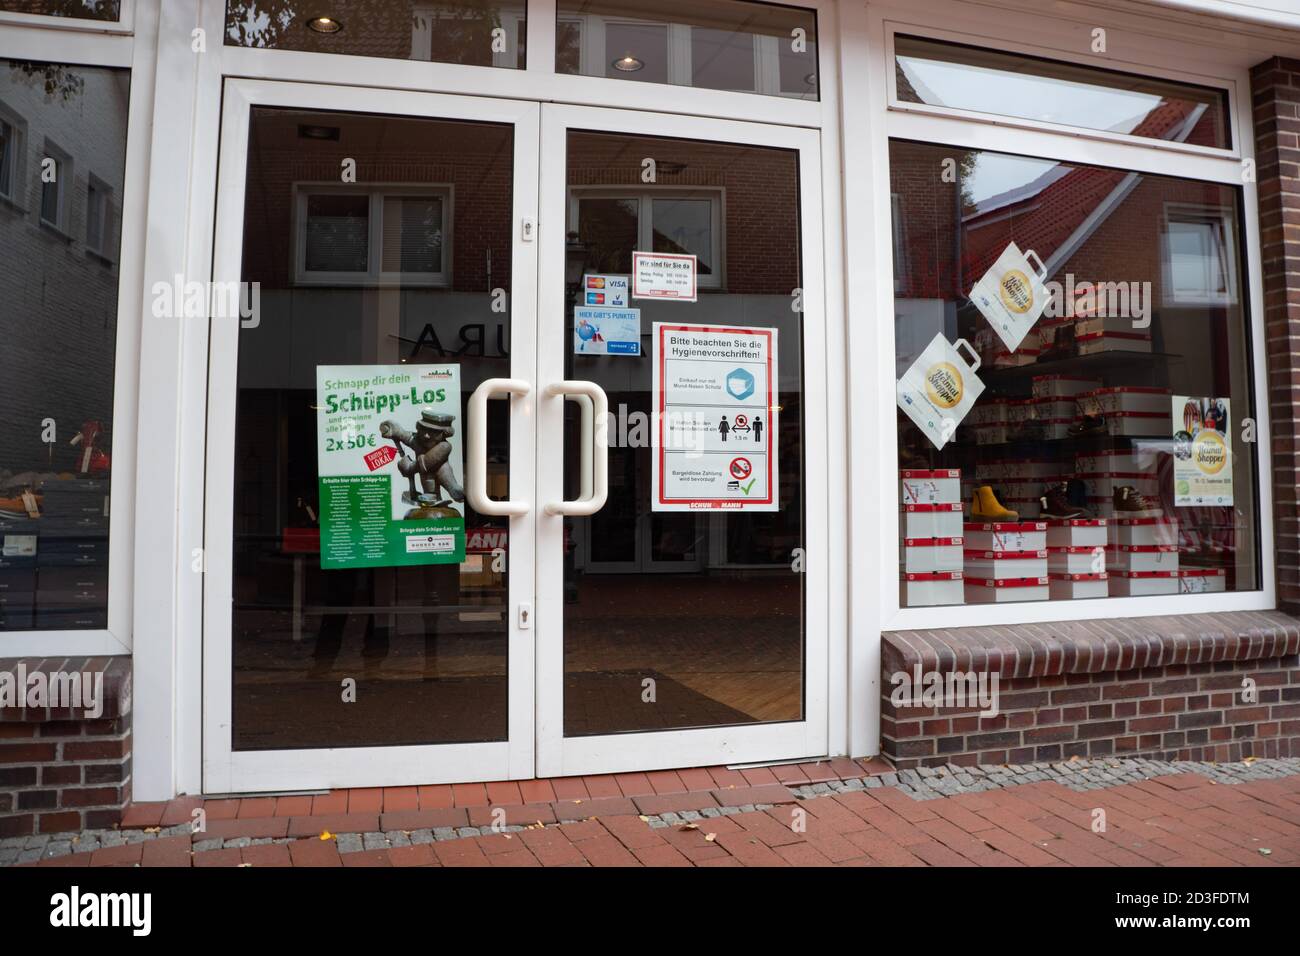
1178	820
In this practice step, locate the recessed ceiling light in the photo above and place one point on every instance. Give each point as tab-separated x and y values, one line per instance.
628	64
324	25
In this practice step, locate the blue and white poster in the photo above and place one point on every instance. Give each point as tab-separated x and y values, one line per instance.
606	331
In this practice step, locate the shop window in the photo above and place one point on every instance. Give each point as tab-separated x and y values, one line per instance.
612	223
473	32
56	182
1032	88
98	212
1076	414
56	366
11	154
358	236
1198	253
110	10
707	44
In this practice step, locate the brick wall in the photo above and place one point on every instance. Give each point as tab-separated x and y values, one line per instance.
59	770
1169	688
1275	87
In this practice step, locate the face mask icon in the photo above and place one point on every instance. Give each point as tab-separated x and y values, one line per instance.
740	384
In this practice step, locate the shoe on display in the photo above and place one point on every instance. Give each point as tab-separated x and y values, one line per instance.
1129	503
985	506
1088	425
1055	504
1063	345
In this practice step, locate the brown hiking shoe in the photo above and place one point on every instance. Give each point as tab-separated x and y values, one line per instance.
1056	505
1130	504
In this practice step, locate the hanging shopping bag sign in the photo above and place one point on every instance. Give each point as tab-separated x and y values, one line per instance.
1012	294
940	388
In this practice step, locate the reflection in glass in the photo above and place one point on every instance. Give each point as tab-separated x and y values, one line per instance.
704	606
709	44
1012	84
79	9
473	32
1143	338
58	316
426	644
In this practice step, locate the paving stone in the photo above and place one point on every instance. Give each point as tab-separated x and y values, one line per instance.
57	848
36	841
30	855
421	837
349	843
398	838
237	843
202	846
445	833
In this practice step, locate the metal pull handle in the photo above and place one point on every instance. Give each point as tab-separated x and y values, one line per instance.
595	447
476	472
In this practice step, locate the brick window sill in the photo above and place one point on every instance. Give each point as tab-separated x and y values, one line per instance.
1089	647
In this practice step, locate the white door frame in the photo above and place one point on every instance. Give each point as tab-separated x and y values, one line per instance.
226	770
556	754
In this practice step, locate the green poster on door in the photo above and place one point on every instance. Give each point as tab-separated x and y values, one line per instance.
390	460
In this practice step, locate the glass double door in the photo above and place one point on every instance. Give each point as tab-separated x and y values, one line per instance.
515	450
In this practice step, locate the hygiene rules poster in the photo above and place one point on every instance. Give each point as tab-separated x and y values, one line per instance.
1202	451
391	465
716	429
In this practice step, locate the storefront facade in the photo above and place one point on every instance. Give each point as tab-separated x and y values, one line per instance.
503	390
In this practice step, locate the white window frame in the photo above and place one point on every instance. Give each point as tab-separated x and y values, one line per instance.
375	274
124	25
1129	52
65	171
130	44
99	245
645	196
18	168
1192	212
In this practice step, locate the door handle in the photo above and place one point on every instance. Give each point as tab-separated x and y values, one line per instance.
476	473
595	447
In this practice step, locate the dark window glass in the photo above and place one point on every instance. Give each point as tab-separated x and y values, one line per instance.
78	9
426	643
1075	379
474	32
59	322
702	605
710	44
1033	88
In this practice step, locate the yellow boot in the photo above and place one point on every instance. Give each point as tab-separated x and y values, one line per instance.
985	506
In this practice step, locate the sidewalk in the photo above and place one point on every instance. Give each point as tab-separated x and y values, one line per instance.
1082	813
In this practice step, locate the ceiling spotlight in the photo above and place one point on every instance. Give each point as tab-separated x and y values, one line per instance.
628	64
324	25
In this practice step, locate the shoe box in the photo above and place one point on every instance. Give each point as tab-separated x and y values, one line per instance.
1003	358
1006	590
1076	532
994	433
934	487
1144	532
1076	559
1138	424
1116	461
72	597
931	504
17	592
1142	557
1062	386
1065	586
931	521
1006	564
1097	343
1143	583
1201	580
1125	398
1076	546
1005	535
929	589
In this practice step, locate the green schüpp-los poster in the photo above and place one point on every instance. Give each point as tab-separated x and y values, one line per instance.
390	465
